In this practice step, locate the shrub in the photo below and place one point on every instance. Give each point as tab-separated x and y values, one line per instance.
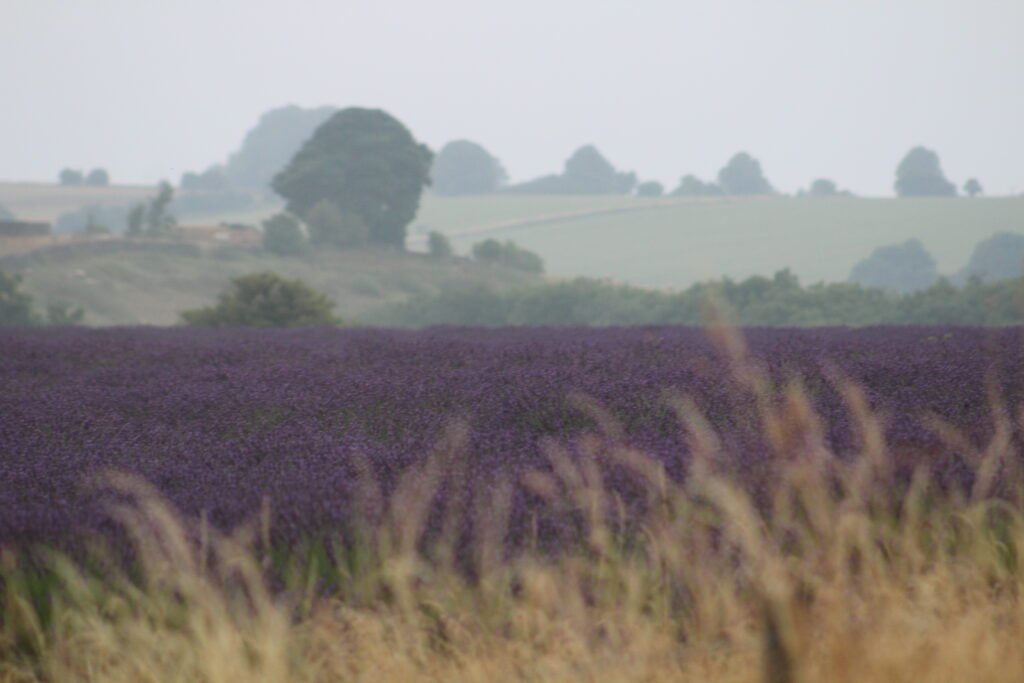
439	246
507	254
282	235
16	307
15	304
265	300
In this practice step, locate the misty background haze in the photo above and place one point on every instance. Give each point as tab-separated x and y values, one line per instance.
149	90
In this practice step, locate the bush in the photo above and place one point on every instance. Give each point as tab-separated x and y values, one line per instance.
15	304
439	246
331	226
282	235
265	300
507	254
16	307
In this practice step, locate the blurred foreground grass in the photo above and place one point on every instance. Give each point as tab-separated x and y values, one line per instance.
829	569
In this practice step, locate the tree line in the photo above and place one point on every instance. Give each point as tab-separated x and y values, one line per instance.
779	300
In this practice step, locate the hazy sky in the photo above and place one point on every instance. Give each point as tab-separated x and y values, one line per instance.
152	88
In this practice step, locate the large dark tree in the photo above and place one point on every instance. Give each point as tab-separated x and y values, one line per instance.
366	163
464	167
743	176
920	175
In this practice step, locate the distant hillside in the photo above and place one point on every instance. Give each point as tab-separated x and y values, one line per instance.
674	243
46	201
130	283
656	242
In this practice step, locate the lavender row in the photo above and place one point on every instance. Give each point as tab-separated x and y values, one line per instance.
220	420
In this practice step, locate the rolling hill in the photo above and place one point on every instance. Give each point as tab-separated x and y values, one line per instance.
131	283
663	242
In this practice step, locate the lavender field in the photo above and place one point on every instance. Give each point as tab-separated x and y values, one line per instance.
220	421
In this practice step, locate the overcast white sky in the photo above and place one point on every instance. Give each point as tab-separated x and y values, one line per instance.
152	88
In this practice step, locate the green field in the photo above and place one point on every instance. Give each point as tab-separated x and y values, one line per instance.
665	242
679	243
117	284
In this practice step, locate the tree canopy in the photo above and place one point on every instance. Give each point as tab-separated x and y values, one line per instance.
265	300
692	186
742	175
650	188
70	176
972	187
365	162
823	187
463	167
1000	257
98	177
920	175
274	140
906	267
586	172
